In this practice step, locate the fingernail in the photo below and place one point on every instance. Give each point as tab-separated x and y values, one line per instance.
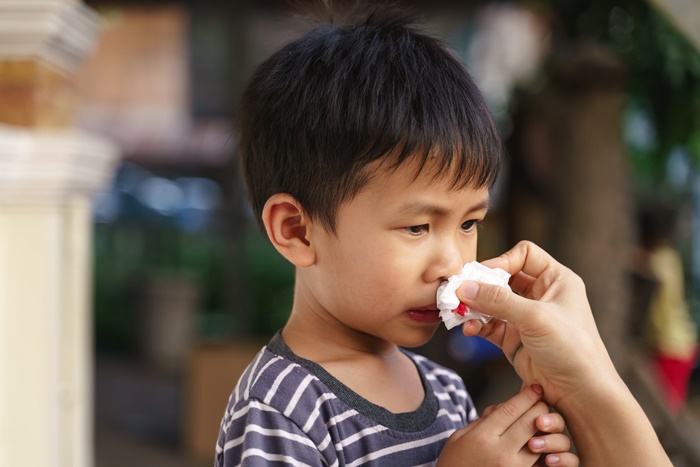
469	289
546	421
538	389
553	459
538	443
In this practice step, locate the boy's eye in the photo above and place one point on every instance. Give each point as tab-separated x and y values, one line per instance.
470	225
417	229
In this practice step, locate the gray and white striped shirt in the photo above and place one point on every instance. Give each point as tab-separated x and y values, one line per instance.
286	410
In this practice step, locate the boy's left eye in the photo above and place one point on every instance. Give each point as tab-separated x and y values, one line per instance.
417	229
468	226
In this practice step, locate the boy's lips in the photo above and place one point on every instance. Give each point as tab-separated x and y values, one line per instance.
425	314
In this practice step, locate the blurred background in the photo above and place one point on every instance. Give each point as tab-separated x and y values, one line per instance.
135	286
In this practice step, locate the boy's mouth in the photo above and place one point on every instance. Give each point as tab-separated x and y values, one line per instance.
425	314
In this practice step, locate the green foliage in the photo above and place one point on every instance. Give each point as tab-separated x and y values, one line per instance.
270	280
664	68
128	254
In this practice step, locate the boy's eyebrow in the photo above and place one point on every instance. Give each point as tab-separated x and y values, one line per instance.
419	208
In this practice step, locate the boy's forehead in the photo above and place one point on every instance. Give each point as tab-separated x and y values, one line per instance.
406	190
387	173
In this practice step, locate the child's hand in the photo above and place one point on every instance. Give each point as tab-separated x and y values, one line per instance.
550	442
506	436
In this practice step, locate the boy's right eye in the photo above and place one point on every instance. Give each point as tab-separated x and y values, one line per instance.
417	229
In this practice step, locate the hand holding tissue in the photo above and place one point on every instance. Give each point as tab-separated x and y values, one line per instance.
452	311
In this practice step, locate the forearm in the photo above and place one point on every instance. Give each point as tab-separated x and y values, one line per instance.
608	427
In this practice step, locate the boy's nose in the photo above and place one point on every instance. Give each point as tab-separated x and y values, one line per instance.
447	262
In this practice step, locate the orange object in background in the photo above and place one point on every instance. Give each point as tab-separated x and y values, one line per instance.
212	373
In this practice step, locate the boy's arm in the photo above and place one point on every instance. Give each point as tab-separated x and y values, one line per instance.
256	434
551	339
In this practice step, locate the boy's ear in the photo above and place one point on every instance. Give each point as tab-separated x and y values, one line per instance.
289	229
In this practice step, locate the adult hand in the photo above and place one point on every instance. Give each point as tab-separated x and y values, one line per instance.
551	339
550	336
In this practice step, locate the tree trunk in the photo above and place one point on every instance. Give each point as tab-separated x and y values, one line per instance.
593	208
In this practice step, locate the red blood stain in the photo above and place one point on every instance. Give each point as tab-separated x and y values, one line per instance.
461	309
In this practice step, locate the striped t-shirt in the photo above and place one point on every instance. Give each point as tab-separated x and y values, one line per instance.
286	410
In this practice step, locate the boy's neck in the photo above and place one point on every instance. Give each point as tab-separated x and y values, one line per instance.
373	368
370	366
315	334
323	340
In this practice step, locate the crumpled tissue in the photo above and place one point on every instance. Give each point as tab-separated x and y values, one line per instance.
452	311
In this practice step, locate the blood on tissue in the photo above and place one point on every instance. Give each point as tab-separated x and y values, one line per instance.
461	309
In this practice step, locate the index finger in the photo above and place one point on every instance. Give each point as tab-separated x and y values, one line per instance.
526	257
511	410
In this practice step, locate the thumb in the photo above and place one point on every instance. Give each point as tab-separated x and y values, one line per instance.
496	301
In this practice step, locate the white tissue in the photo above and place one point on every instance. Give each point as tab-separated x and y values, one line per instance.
447	292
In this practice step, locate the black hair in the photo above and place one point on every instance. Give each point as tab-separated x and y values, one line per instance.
322	108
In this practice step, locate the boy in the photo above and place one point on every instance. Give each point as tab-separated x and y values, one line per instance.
368	154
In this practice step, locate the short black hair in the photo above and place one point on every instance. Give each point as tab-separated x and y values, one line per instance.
319	110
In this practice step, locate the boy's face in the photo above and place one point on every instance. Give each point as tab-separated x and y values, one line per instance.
395	242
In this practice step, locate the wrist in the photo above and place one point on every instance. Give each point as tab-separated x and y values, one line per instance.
609	427
595	390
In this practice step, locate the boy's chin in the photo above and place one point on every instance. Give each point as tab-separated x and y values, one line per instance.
417	339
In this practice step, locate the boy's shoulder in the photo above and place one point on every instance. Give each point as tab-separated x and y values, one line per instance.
284	404
262	379
276	363
446	384
280	380
277	375
435	372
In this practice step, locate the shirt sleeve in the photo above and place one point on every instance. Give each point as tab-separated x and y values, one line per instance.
256	434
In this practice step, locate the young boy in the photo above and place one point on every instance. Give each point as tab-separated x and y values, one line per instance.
368	154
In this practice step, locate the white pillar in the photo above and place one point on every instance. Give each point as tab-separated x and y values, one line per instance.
47	173
45	319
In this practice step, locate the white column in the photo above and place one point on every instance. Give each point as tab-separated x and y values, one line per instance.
58	32
46	398
47	175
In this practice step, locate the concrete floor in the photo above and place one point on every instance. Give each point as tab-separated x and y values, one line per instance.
117	448
138	415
